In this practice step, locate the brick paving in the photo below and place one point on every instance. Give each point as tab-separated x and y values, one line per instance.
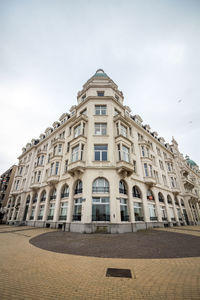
28	272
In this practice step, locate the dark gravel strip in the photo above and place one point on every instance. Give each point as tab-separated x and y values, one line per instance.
142	244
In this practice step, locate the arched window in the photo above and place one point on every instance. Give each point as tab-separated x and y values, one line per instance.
78	187
43	196
150	195
65	191
122	187
53	194
100	185
35	198
160	197
136	192
169	199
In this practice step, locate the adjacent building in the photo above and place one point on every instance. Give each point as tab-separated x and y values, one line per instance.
99	168
6	180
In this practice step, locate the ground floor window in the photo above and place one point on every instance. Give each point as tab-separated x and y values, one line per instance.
77	209
51	211
32	213
138	211
100	209
124	210
152	212
163	212
171	211
63	211
179	214
41	212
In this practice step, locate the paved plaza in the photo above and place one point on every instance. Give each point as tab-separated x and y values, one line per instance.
29	272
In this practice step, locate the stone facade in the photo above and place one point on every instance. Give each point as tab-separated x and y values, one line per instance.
100	169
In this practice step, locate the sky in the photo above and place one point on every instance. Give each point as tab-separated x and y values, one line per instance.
49	49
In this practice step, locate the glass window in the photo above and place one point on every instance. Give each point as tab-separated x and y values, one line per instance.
146	170
57	168
125	153
51	211
163	213
75	153
100	109
171	212
123	130
100	128
79	187
53	195
100	185
77	209
77	130
63	210
160	197
65	192
41	212
100	152
122	187
138	211
59	148
136	192
100	209
100	93
152	212
124	210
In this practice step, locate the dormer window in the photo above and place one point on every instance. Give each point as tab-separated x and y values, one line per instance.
83	97
100	93
117	97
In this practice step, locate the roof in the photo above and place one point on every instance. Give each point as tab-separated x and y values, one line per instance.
100	73
191	162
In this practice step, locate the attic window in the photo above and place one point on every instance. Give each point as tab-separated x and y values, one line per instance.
117	97
83	97
100	93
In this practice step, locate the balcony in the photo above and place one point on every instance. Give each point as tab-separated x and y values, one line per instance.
153	218
76	168
149	180
138	218
40	218
175	190
53	179
124	218
62	218
58	141
35	185
191	194
125	168
188	183
102	190
50	218
164	219
146	158
41	152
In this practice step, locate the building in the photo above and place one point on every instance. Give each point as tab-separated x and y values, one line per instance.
6	180
99	168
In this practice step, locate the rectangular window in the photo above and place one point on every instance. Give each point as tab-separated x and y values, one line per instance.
138	211
39	176
124	210
77	130
163	213
100	152
51	169
41	212
146	170
100	209
134	167
156	176
152	212
172	182
100	109
158	151
100	129
55	150
51	211
161	165
125	154
63	211
123	130
82	150
77	209
143	151
66	165
119	151
75	153
57	168
100	93
59	148
164	179
171	212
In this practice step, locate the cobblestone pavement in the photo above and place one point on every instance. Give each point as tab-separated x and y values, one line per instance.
28	272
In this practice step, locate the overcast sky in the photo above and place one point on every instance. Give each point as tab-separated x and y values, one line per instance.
49	49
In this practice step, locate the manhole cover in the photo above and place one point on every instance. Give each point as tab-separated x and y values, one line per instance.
111	272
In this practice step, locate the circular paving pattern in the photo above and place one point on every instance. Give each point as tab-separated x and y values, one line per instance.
142	244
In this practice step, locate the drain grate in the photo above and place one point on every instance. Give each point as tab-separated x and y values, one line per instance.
112	272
